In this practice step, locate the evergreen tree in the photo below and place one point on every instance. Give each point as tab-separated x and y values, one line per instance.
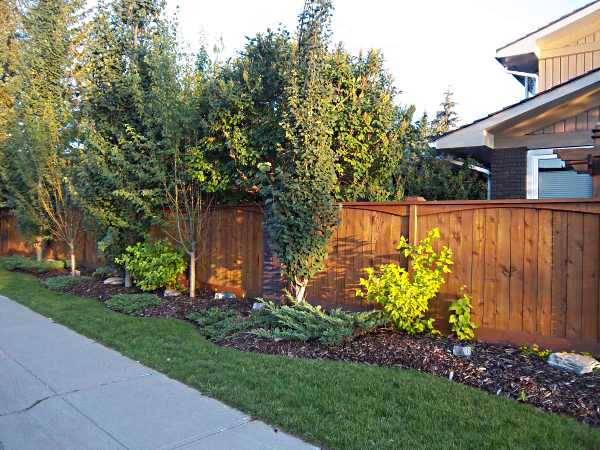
10	36
43	130
301	210
446	119
131	63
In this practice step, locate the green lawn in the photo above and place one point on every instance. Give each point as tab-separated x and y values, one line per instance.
336	405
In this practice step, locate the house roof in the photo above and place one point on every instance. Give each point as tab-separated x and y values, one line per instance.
554	22
526	44
494	119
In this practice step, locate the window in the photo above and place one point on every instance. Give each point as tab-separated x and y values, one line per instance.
547	177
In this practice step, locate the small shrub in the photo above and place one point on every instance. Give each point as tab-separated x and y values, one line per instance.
405	294
535	350
31	265
132	303
305	322
460	318
65	281
218	324
105	272
153	265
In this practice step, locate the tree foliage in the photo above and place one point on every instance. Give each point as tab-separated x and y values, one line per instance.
43	128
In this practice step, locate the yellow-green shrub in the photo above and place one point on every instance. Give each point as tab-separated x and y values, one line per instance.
405	294
460	318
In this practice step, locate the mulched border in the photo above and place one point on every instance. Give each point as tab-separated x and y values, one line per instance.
495	368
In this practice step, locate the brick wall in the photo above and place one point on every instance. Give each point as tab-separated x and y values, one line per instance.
509	173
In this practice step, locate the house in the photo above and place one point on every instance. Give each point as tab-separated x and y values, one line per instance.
542	147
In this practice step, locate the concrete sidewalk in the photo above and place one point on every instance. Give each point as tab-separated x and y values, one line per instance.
60	390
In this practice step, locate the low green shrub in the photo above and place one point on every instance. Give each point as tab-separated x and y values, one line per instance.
460	318
535	350
153	265
65	281
218	324
405	294
105	272
305	322
132	303
31	265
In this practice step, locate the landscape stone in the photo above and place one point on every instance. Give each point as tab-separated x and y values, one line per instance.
171	293
258	306
573	362
114	281
462	350
224	295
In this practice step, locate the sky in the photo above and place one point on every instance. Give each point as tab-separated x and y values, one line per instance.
428	45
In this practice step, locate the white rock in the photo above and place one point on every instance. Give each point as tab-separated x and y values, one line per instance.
115	281
573	362
224	295
462	350
171	293
258	306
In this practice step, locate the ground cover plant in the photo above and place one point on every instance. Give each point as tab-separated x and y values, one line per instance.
31	265
218	323
338	405
61	282
305	322
132	303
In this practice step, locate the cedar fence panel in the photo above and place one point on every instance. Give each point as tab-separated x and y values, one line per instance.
531	266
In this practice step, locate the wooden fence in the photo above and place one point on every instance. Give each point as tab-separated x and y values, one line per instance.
532	267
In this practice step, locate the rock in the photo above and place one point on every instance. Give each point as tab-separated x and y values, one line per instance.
224	295
573	362
171	293
462	350
77	273
114	281
258	306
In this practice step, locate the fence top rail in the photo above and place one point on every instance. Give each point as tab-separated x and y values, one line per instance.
477	202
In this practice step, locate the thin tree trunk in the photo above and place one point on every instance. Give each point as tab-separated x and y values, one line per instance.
300	290
72	255
38	245
192	256
127	279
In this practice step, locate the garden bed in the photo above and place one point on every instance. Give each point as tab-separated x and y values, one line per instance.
501	370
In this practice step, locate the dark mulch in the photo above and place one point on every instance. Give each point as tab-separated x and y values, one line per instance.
180	307
498	369
495	368
96	289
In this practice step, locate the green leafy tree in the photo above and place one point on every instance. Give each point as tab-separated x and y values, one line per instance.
131	64
242	106
366	134
301	210
43	130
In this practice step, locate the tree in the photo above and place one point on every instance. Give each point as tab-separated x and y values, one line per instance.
242	106
10	36
131	70
43	131
192	179
300	205
365	134
446	118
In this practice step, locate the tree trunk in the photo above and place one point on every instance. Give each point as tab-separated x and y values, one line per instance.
192	256
299	289
72	256
38	245
127	279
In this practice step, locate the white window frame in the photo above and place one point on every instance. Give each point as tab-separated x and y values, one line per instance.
533	167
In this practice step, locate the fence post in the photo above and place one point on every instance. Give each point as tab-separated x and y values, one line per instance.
413	219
